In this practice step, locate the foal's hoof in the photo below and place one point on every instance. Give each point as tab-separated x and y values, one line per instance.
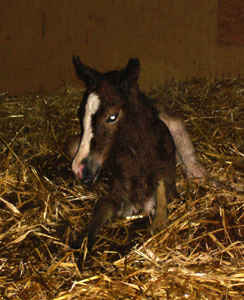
196	170
158	225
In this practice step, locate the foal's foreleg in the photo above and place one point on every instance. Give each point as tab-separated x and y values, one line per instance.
161	213
184	147
105	210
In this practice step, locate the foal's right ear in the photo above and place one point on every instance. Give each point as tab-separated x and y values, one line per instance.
86	73
133	71
130	75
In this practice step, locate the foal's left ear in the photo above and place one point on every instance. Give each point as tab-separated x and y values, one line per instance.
133	71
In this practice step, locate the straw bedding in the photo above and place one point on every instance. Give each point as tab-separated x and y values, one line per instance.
42	207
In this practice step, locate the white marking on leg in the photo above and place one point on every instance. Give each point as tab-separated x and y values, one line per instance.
91	108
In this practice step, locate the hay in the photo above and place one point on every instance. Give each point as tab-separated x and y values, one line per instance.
199	255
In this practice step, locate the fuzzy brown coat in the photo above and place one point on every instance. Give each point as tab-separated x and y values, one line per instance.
136	151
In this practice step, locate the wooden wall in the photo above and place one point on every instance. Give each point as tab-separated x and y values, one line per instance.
173	39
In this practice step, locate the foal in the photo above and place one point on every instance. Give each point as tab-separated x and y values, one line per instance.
123	136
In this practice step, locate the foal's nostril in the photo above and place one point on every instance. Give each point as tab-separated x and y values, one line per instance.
79	172
86	175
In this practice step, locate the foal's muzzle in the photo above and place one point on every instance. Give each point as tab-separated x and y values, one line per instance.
89	171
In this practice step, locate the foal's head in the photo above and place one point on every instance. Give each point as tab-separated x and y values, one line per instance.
102	111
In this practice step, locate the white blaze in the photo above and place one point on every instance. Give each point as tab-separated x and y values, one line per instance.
91	108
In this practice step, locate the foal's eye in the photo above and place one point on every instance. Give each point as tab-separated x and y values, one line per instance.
112	118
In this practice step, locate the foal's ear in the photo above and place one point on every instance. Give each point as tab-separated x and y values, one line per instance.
133	71
130	75
86	73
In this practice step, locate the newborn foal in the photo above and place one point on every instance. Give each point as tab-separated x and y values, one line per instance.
123	136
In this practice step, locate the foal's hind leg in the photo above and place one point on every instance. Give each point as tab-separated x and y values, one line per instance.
184	147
